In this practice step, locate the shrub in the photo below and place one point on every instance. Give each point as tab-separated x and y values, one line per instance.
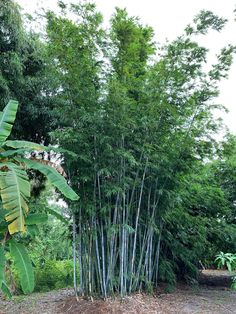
54	275
228	261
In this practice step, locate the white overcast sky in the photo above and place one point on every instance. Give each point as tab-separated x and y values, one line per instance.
169	18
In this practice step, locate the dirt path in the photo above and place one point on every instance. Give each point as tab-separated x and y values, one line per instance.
40	303
183	301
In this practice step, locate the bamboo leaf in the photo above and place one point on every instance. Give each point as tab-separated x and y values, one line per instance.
7	118
23	265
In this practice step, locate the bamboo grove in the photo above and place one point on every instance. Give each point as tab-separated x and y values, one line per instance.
139	118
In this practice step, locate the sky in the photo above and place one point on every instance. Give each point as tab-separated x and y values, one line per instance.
168	19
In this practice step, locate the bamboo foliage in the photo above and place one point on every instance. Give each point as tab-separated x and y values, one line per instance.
137	128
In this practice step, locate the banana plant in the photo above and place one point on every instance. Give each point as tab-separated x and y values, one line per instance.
15	193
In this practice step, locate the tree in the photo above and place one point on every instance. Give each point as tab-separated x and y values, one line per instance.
23	75
15	193
198	226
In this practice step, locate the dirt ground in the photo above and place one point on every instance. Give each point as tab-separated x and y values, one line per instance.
184	300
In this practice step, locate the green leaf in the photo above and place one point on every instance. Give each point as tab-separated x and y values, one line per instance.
2	214
12	152
2	265
53	177
228	264
57	215
32	230
23	265
15	190
24	144
7	118
6	290
34	219
233	285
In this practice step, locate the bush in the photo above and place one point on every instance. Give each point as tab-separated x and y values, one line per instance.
54	275
228	261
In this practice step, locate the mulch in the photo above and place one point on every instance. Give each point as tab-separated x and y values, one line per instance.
208	299
183	301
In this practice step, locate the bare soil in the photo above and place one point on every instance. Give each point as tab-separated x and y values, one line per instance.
215	277
184	300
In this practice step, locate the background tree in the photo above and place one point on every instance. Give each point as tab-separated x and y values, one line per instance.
22	75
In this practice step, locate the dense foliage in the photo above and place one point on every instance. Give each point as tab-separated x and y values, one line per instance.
157	191
142	127
23	76
15	193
